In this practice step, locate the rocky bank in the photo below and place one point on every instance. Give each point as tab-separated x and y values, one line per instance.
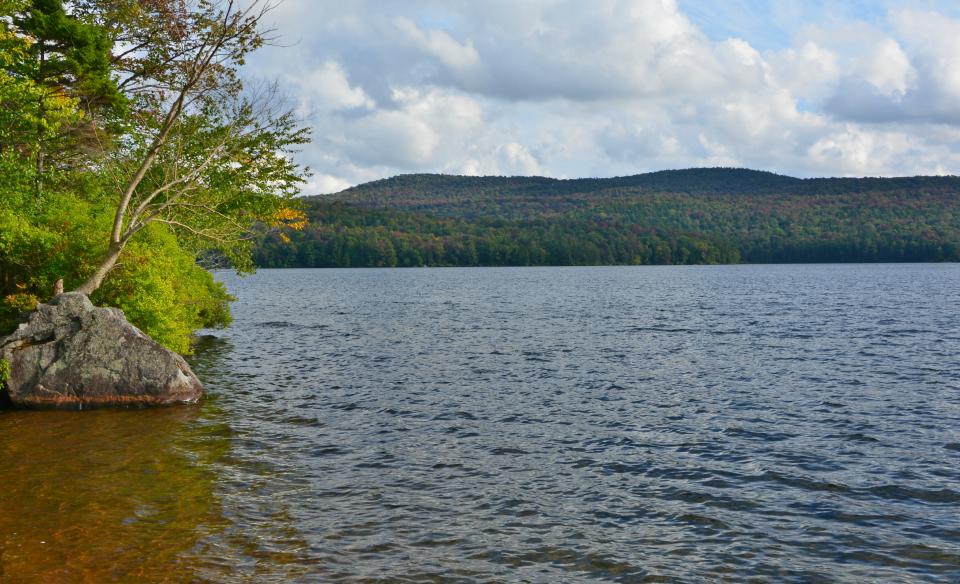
70	354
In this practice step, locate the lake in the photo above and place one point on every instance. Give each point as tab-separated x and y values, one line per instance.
637	424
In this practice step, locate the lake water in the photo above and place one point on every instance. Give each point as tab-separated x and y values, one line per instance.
649	424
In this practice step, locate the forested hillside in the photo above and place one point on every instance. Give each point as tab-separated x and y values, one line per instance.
697	216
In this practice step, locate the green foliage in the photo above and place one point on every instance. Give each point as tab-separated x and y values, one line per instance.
4	373
56	240
150	153
700	216
201	153
161	289
67	52
63	67
159	285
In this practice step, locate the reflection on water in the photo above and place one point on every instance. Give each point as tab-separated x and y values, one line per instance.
129	496
774	423
106	495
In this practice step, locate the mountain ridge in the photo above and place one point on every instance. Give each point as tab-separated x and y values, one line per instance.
716	178
691	216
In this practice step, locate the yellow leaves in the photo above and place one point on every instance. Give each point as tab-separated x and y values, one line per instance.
289	219
21	301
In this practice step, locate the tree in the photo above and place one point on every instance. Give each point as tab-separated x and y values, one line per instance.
181	167
202	153
68	64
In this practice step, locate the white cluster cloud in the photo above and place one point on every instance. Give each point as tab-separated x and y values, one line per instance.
461	58
326	88
565	88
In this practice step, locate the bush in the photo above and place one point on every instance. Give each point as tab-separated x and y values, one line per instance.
158	284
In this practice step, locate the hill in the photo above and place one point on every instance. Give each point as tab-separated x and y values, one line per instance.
711	215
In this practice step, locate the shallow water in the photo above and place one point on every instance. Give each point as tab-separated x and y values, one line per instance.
689	424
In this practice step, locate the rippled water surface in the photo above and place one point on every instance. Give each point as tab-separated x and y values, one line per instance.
695	424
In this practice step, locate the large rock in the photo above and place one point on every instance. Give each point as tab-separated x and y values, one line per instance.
70	354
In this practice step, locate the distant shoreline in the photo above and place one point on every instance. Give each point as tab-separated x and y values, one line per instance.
852	263
696	216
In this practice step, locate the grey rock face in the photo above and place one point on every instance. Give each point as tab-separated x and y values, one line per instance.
72	355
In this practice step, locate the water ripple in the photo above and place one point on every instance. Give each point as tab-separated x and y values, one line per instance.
742	423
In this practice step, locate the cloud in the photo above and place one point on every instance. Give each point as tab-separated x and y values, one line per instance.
509	159
391	138
934	42
459	57
623	86
325	183
907	72
327	88
558	50
411	135
809	71
872	152
888	68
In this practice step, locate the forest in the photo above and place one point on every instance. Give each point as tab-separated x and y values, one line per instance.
695	216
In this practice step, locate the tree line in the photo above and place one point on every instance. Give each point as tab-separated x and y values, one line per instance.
436	220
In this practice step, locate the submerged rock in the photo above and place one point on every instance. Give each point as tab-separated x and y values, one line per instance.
70	354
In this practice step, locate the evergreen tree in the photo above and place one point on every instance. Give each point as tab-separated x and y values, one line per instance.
69	60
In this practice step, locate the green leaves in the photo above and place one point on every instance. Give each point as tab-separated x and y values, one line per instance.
161	289
68	55
4	372
151	153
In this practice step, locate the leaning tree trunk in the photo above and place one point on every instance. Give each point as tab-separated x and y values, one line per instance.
108	263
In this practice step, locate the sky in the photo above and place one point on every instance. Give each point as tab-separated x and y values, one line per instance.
596	88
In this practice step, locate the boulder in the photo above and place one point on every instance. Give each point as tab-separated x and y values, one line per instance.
70	354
